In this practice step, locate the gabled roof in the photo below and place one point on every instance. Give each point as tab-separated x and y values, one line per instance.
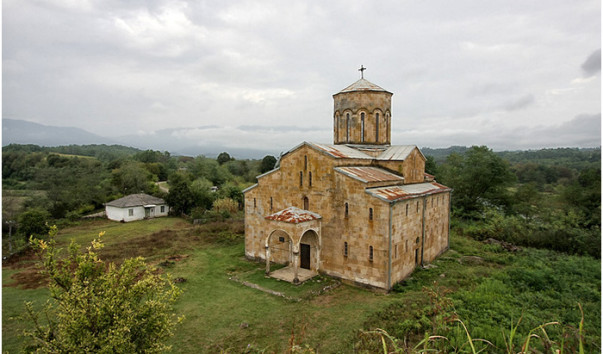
133	200
407	191
398	152
341	151
294	215
363	85
368	174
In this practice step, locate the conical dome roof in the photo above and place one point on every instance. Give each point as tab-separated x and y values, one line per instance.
363	85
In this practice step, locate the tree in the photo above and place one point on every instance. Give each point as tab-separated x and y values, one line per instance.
479	178
430	165
223	158
267	164
202	194
33	223
179	198
101	308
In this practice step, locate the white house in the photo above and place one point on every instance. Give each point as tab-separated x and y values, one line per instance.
136	207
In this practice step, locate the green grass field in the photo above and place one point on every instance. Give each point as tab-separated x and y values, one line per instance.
488	287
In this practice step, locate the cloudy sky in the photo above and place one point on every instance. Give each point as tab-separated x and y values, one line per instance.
507	74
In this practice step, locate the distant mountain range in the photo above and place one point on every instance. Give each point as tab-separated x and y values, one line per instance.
23	132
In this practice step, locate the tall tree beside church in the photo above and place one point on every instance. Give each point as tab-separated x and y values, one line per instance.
479	178
267	164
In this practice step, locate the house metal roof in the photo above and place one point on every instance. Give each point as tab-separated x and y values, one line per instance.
135	200
294	215
368	174
407	191
363	85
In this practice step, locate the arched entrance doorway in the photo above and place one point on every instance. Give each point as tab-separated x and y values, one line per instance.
278	248
309	253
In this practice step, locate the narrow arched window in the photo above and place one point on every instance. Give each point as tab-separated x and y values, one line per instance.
305	162
346	210
406	209
377	127
417	207
310	179
371	253
370	213
349	127
387	127
362	127
270	203
254	203
306	203
345	249
301	179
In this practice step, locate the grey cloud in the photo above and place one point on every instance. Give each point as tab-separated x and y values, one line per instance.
279	128
520	103
592	65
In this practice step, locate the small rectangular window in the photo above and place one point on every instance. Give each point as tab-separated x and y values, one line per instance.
281	239
406	209
162	208
346	210
130	212
301	179
345	249
310	179
370	213
371	253
270	203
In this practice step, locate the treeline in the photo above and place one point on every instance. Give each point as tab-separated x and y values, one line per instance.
549	198
67	182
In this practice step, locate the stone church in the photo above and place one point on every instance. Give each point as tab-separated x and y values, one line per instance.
360	209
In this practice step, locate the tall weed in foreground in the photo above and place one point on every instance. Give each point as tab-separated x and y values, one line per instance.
537	340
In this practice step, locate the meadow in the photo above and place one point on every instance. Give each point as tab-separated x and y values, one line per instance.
489	288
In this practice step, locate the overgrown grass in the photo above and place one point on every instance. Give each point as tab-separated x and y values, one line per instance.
487	287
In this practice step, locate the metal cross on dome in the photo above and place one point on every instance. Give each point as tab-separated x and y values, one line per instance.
362	68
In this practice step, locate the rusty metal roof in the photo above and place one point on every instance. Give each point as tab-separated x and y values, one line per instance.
294	215
363	85
407	191
341	151
397	152
369	174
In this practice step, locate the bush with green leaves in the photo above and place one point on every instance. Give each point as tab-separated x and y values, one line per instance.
33	223
99	307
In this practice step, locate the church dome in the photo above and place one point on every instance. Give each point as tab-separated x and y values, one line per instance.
362	85
362	114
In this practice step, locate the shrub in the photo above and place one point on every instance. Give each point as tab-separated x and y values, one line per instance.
101	307
225	205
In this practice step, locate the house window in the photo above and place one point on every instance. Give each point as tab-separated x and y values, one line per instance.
306	203
362	127
310	179
377	127
346	210
162	208
345	249
370	213
301	178
305	162
130	212
281	239
370	253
